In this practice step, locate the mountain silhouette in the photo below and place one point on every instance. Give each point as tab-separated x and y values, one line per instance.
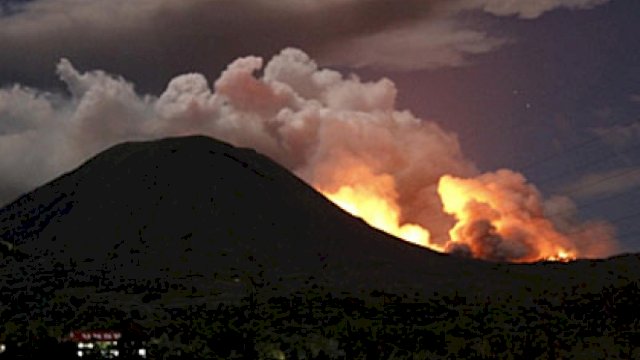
200	207
194	205
160	231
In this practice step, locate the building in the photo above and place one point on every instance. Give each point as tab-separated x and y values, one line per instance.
107	344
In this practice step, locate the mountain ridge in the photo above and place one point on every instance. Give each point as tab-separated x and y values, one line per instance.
186	205
219	252
133	187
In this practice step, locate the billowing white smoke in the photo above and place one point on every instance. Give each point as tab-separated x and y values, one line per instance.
313	121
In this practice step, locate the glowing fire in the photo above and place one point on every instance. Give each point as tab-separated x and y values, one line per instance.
374	199
562	256
497	214
495	221
378	212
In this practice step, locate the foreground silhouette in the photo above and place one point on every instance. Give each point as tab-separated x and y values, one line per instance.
217	252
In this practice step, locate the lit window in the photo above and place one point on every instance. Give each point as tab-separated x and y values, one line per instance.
142	352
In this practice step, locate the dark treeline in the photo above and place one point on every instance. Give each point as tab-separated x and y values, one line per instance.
317	324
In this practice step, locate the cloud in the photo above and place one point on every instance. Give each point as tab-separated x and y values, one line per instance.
150	41
316	122
425	45
530	9
32	128
606	183
592	238
634	98
619	136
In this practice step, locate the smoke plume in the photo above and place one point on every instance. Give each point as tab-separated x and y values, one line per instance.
342	135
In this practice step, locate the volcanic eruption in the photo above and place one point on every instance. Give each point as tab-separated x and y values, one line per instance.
345	137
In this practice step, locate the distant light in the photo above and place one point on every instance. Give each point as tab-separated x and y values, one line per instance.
3	348
80	353
142	352
83	345
114	352
278	354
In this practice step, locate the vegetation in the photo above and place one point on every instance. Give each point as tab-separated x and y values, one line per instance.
245	261
318	324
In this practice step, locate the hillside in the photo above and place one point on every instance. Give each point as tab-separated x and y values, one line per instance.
186	223
195	205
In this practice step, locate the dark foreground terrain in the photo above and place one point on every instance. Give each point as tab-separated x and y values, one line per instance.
210	251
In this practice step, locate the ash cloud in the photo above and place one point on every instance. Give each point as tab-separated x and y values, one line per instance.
592	238
505	218
314	121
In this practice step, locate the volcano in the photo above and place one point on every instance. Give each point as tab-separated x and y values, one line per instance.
198	207
147	226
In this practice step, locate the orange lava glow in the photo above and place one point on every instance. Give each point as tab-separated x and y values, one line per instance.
562	256
378	212
374	200
496	219
506	211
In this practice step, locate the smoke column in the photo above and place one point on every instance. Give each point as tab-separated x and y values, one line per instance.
343	136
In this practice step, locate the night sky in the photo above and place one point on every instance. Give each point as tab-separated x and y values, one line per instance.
559	104
550	89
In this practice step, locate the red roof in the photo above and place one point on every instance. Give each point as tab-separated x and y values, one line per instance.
95	335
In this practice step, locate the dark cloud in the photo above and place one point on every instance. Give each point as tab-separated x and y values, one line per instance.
11	7
150	41
526	9
604	183
619	136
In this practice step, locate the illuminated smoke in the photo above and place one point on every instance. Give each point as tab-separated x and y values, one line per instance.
500	217
342	135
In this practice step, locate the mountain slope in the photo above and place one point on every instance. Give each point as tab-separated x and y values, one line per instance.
195	205
218	252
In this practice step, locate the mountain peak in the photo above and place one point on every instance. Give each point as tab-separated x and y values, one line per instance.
197	205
